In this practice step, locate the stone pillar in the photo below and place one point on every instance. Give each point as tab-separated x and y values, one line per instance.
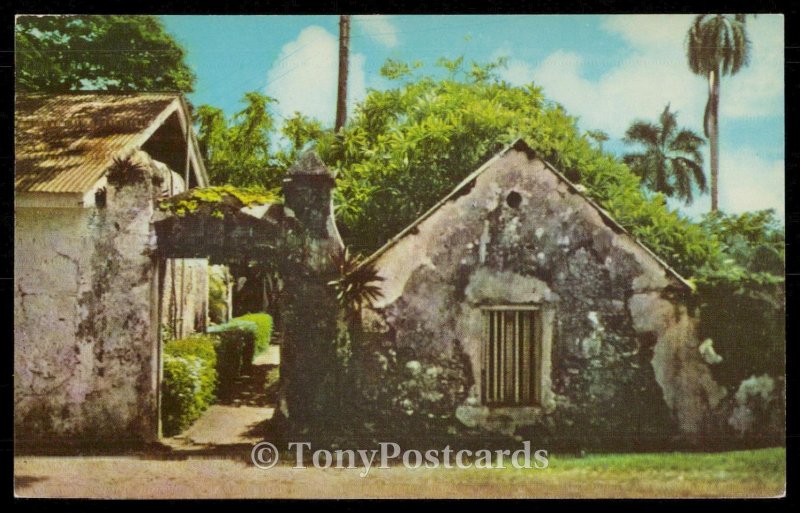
310	310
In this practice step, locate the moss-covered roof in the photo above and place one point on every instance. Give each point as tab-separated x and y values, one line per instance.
216	200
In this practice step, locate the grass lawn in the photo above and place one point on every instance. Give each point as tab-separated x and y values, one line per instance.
680	474
758	473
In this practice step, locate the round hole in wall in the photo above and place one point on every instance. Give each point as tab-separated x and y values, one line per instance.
513	199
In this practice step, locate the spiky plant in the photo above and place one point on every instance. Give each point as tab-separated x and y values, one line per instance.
356	285
125	171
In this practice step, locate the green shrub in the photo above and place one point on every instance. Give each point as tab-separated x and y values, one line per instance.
190	381
202	346
263	323
218	280
234	352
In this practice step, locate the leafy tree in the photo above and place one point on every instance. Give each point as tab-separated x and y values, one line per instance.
409	145
299	131
237	151
113	53
671	162
597	136
717	44
741	295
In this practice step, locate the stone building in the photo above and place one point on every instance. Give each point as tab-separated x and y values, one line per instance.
514	303
569	325
88	297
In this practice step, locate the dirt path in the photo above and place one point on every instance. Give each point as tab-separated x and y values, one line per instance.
212	459
235	420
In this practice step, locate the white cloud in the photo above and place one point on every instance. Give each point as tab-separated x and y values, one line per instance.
650	31
655	73
747	182
304	76
758	89
750	182
377	27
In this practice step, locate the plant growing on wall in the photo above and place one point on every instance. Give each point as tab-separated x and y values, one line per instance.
356	285
125	171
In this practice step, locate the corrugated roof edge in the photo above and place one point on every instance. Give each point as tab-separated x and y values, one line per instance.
172	95
521	146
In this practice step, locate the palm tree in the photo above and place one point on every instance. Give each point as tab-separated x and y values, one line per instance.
717	44
671	161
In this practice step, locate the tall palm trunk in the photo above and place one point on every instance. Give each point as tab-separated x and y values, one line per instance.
712	131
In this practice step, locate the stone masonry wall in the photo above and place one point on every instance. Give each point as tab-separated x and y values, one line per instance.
86	355
624	362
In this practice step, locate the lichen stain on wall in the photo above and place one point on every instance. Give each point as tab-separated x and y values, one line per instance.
623	343
85	346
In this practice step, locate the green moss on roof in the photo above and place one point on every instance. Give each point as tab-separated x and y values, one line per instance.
215	198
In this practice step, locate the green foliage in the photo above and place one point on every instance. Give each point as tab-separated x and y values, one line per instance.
189	383
407	146
355	286
201	346
126	172
235	351
219	278
741	295
113	53
237	150
263	322
299	130
718	42
671	162
215	197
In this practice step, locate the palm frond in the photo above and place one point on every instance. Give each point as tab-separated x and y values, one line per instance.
671	160
668	124
642	132
717	42
688	142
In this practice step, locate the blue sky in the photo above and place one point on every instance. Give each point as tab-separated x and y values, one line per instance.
606	70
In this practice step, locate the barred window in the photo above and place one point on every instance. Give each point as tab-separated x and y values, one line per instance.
512	369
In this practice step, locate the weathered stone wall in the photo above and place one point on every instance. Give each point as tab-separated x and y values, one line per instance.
185	299
86	354
624	361
310	311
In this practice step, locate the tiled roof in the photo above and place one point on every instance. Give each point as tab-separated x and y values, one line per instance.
65	142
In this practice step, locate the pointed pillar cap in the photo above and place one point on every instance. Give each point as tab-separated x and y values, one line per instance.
309	165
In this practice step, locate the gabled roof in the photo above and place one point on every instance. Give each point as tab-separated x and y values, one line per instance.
64	143
520	145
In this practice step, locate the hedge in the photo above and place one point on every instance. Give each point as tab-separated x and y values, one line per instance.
190	381
263	323
235	351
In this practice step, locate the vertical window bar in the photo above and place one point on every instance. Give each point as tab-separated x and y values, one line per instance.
526	358
516	357
485	357
496	367
501	351
509	364
536	363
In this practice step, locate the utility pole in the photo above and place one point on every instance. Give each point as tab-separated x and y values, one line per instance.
344	51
